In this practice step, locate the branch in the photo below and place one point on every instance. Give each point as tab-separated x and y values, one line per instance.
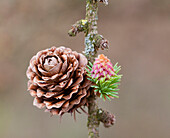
79	26
93	121
101	42
93	41
96	116
106	118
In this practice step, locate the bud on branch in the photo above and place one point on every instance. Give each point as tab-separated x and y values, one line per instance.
79	26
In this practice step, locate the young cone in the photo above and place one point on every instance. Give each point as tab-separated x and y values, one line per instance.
104	77
102	67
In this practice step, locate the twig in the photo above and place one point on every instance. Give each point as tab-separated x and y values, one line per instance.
93	41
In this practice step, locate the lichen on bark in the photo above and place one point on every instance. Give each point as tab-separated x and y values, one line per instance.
93	41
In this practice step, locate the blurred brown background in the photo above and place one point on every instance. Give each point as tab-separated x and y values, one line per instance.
139	35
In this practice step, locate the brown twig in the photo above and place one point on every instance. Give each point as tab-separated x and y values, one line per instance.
93	41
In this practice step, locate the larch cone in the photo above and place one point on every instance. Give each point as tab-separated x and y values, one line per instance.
102	67
58	81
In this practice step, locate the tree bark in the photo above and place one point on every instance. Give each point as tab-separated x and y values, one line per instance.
91	17
93	41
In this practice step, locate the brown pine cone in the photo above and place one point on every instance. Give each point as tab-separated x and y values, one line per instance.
57	80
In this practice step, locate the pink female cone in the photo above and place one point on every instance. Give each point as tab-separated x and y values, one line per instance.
102	67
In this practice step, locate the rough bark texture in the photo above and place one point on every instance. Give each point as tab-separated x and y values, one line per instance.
91	16
93	41
93	121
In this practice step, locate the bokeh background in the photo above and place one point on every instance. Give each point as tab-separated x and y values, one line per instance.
139	36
